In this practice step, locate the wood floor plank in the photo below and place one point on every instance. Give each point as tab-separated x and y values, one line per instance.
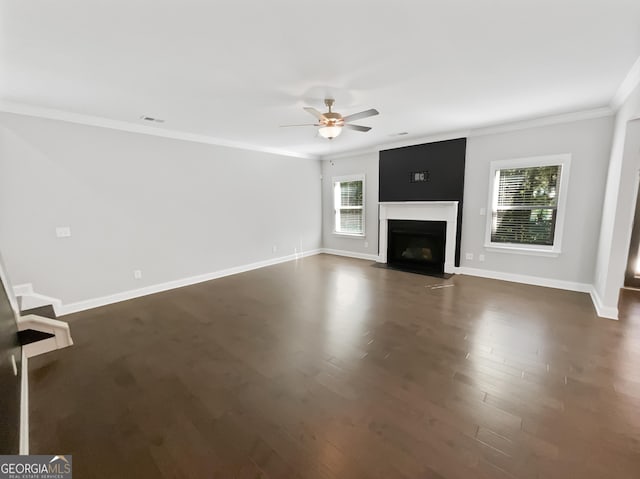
328	368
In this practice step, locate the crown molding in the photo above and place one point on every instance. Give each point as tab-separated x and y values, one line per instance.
89	120
351	153
482	131
630	82
543	121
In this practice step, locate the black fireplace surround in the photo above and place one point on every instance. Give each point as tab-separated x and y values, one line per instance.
417	245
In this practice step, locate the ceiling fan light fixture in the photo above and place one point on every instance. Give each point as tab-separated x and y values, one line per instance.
331	123
330	132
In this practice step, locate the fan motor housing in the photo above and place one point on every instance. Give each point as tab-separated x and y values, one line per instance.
332	116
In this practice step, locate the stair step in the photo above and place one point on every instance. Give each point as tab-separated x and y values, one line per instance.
47	311
58	333
28	336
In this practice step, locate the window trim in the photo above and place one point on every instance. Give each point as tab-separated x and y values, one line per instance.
564	160
344	179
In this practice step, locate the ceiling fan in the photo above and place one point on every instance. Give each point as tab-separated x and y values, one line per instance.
332	123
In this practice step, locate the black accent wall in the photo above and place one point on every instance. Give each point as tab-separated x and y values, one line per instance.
427	172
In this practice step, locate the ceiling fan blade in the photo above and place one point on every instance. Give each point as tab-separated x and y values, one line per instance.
362	114
314	112
357	127
301	124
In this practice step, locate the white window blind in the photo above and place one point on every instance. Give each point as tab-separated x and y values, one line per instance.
525	205
349	205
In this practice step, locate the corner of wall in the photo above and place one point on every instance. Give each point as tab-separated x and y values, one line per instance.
618	205
603	311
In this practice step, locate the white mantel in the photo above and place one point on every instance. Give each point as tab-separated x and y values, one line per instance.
421	211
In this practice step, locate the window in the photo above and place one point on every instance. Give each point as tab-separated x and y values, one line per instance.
348	201
527	204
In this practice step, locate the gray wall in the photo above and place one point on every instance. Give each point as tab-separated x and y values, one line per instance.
170	208
588	141
176	209
367	164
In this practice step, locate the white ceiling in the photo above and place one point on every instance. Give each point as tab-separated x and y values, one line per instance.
236	70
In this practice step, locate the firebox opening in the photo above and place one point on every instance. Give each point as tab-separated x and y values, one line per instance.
417	246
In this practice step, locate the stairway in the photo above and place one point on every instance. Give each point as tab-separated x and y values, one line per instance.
39	330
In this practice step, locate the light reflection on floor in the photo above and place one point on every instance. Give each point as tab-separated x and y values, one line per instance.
346	324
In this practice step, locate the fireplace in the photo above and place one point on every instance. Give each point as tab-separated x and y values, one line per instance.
440	215
417	245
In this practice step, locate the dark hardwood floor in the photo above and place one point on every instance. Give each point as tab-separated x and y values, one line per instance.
330	368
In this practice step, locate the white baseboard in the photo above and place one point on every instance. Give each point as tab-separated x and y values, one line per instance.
23	289
526	279
178	283
24	405
350	254
603	311
63	309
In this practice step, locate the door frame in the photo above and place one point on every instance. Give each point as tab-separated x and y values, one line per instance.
631	275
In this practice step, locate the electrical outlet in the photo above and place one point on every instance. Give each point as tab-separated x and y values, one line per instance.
480	257
366	244
469	256
275	248
483	211
137	274
63	231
